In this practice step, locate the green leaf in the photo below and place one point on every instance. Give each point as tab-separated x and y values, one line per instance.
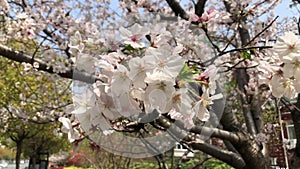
129	48
186	74
246	54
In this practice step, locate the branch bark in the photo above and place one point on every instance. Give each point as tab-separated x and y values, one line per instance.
218	133
177	9
22	57
242	76
249	149
229	157
199	7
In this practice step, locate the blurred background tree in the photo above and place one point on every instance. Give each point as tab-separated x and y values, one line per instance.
31	103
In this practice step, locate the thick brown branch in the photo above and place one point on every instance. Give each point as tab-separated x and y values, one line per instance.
218	133
229	157
21	57
177	9
164	124
199	7
242	76
242	80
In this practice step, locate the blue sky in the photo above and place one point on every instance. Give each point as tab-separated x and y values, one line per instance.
282	9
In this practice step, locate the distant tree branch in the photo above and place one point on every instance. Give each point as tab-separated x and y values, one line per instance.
22	57
262	31
59	41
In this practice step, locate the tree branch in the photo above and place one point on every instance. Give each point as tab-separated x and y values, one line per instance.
177	9
59	41
228	157
267	27
242	76
22	57
244	49
242	80
218	133
199	7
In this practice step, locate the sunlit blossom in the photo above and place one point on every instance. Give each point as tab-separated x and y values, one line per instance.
282	86
289	43
73	134
201	106
76	43
134	36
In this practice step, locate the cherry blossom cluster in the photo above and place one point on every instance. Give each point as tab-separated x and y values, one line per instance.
151	61
286	78
143	72
149	73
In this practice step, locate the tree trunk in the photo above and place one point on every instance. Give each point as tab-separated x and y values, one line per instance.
250	151
18	153
33	160
252	154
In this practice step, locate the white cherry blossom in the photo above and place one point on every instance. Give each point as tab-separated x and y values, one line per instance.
159	35
137	73
188	119
73	134
126	105
161	59
212	73
159	92
201	106
83	100
175	114
107	106
282	86
93	120
76	43
286	80
134	36
120	81
289	43
180	101
292	68
206	17
86	63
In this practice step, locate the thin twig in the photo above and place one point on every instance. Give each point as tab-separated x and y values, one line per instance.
245	49
261	32
200	163
182	158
